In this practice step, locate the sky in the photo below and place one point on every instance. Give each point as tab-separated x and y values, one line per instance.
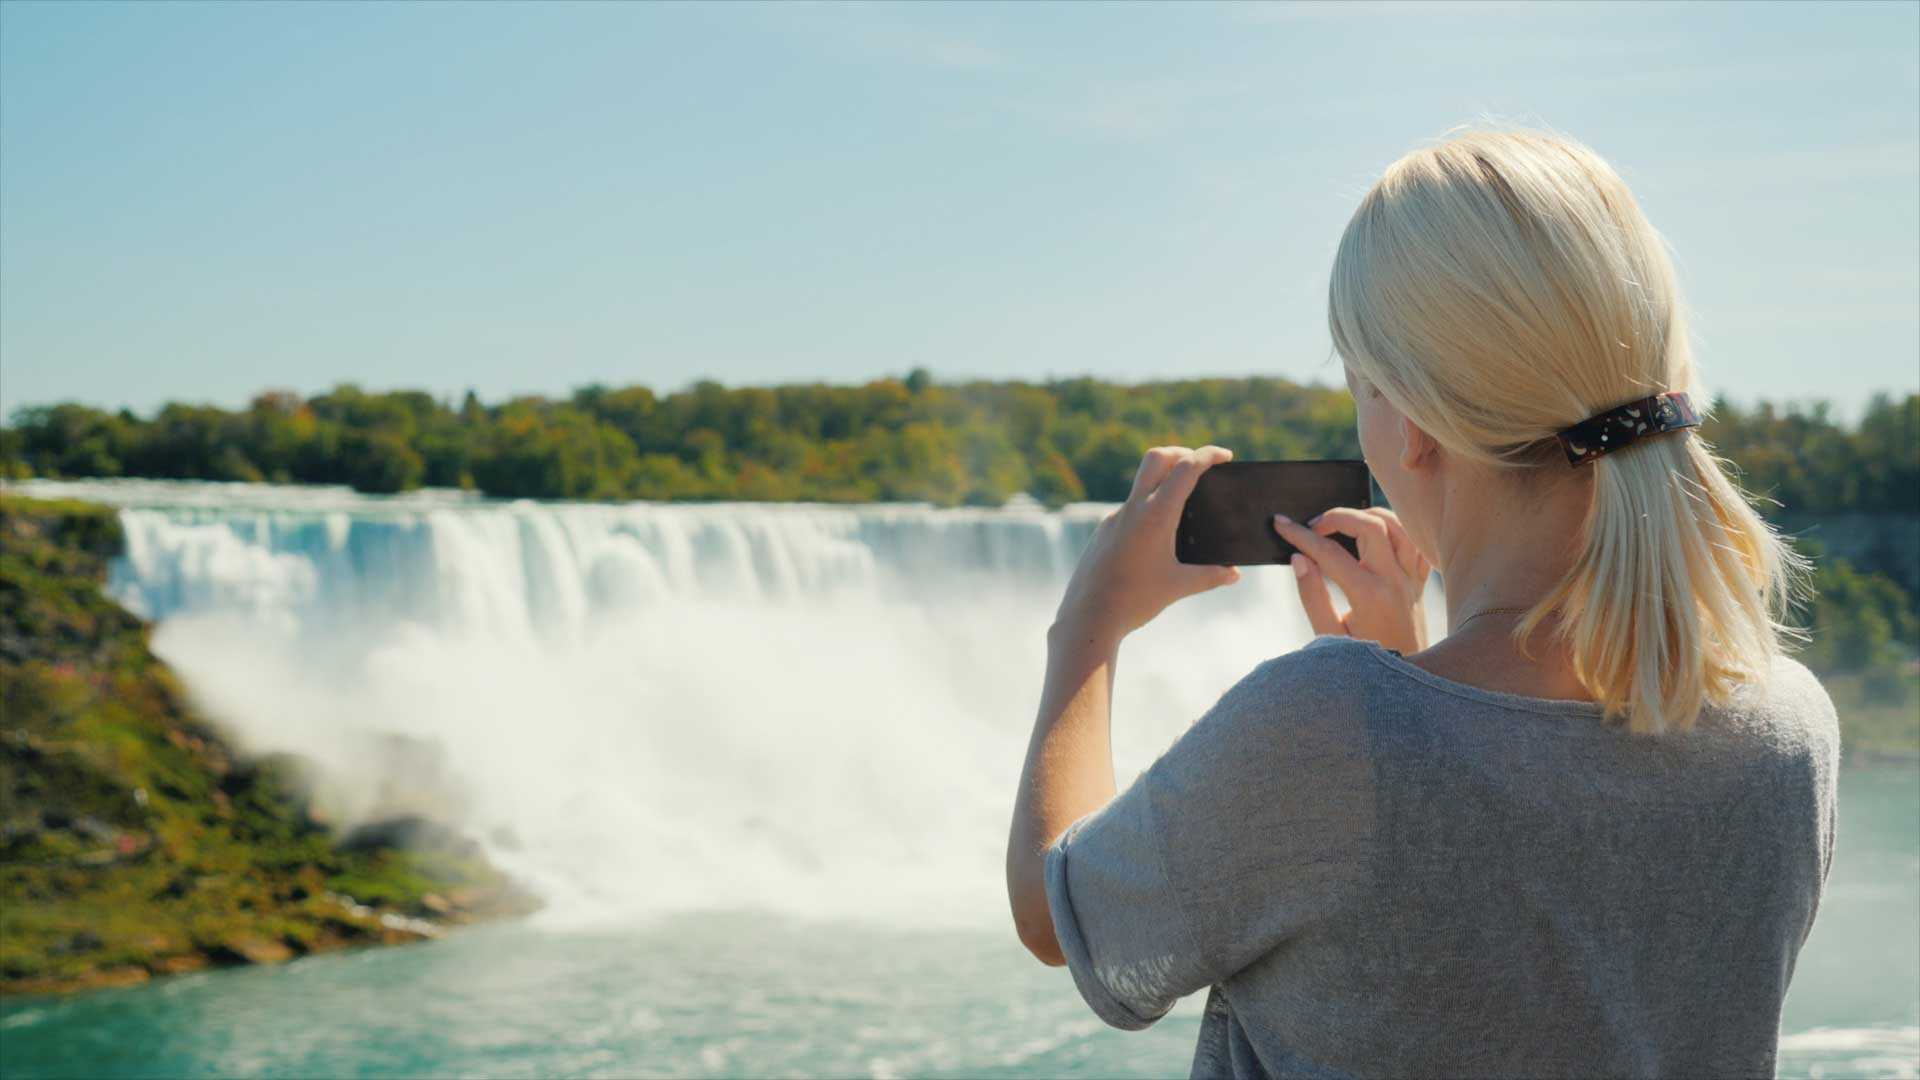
199	202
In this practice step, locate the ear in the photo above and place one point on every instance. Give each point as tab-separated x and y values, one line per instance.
1418	450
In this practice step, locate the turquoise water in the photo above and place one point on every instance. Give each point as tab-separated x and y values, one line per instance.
742	994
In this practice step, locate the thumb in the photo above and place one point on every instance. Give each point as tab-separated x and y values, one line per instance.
1314	597
1203	578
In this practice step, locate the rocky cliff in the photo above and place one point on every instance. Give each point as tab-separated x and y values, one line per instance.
134	840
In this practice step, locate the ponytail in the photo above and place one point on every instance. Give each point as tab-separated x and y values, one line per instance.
1500	286
1675	595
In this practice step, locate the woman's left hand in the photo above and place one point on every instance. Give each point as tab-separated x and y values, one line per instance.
1128	573
1386	585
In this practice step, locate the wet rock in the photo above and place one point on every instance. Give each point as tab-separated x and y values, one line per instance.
82	942
249	949
102	979
20	836
410	832
396	929
179	965
93	828
117	976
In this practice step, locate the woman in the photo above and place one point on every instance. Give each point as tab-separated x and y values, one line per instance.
1584	834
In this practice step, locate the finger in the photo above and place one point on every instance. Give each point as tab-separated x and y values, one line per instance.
1202	578
1155	464
1328	557
1173	491
1376	545
1314	597
1409	557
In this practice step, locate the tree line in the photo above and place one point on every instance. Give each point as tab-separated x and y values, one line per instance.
891	439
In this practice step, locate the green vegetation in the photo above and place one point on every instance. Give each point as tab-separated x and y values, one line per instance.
890	439
133	840
1811	465
1861	622
1864	632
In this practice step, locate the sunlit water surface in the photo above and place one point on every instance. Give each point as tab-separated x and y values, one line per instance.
756	758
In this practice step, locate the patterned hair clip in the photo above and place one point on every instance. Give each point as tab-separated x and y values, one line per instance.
1615	428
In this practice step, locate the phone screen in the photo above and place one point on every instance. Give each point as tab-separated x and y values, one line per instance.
1228	520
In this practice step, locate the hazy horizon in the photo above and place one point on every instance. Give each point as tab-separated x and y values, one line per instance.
200	202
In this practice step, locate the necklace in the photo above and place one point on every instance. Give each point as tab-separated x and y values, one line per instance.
1489	611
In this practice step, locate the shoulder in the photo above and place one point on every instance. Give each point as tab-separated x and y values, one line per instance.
1323	670
1791	684
1798	695
1791	697
1298	704
1790	711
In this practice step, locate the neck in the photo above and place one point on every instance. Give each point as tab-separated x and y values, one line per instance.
1506	545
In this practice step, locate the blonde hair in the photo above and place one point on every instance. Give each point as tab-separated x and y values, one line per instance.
1500	285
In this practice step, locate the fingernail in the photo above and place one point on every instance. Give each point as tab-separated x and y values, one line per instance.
1314	520
1282	519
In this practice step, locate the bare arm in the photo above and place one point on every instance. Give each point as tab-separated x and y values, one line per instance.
1069	771
1127	575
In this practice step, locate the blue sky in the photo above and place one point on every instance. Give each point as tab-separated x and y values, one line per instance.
199	202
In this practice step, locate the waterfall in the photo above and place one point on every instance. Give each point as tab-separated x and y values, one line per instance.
643	708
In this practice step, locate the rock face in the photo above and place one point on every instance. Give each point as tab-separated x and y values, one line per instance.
134	842
409	832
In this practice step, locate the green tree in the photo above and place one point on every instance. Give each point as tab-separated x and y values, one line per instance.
891	438
1107	461
379	461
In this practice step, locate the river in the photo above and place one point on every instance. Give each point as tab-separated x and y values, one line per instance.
756	758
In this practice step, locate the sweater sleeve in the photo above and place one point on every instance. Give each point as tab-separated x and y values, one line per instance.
1247	829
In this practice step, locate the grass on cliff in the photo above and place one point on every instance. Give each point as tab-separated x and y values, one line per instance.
132	838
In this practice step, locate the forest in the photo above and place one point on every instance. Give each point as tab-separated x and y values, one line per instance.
892	439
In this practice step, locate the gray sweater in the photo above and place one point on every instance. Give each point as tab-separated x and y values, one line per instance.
1375	871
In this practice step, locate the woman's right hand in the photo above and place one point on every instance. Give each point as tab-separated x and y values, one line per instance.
1386	585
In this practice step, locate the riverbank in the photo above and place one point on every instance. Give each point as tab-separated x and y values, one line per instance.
135	839
1874	731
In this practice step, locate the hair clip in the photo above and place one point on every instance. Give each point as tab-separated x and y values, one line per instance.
1606	432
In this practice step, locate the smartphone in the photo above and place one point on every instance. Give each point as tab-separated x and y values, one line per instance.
1228	520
